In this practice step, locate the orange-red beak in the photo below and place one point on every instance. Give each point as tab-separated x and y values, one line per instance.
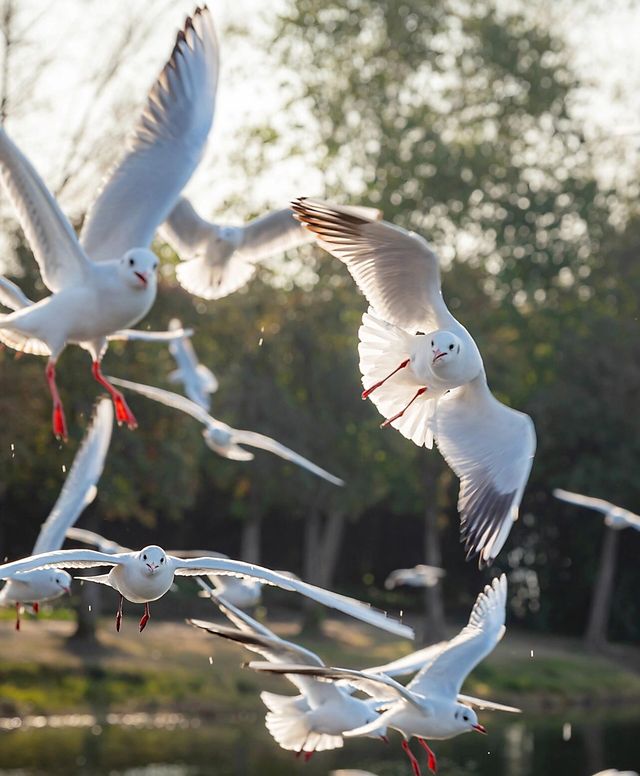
480	729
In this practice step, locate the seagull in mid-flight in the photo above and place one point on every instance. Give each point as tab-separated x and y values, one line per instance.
198	380
430	706
107	281
614	517
78	491
419	576
147	575
223	439
424	372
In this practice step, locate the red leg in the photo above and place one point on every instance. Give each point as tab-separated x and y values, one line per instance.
119	614
36	607
388	421
145	617
17	616
309	755
370	390
59	422
123	413
412	759
431	758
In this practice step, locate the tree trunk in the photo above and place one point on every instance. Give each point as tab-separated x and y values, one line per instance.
330	546
252	530
322	544
596	635
434	623
87	606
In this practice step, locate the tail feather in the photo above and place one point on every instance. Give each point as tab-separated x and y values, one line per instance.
291	728
382	348
212	281
101	579
22	342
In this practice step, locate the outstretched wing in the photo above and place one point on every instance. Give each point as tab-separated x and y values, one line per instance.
263	442
12	296
364	612
445	674
79	488
599	504
490	447
168	398
128	335
61	260
63	559
395	269
95	540
165	148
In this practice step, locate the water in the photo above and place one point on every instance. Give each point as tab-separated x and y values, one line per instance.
566	745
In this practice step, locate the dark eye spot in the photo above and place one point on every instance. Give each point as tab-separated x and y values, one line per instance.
131	262
457	714
144	557
450	347
431	343
155	266
465	718
161	560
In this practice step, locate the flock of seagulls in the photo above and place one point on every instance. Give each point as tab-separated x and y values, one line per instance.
420	367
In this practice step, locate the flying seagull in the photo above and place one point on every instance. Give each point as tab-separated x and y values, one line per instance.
419	576
614	517
198	380
430	706
424	372
147	575
78	491
107	281
221	438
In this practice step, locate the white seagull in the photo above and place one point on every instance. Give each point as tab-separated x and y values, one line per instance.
198	381
431	705
218	260
147	575
107	281
244	593
424	372
614	517
78	491
419	576
224	439
312	721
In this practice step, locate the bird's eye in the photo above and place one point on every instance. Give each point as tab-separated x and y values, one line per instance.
144	557
155	266
465	718
131	262
450	347
431	343
161	560
457	714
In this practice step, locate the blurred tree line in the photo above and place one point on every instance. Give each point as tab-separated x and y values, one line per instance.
456	120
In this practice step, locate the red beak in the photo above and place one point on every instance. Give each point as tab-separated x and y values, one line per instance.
438	354
142	277
480	729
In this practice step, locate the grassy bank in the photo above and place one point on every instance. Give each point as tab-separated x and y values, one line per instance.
173	667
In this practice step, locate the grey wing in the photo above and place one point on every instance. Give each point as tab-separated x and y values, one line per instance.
185	230
449	668
12	296
270	445
165	148
350	606
396	270
129	335
490	447
167	398
63	559
61	260
79	488
95	540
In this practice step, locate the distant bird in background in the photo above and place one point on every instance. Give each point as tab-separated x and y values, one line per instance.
614	517
198	380
424	372
145	576
107	281
244	593
430	706
419	576
78	491
224	439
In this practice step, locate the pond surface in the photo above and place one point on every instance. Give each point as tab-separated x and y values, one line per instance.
173	746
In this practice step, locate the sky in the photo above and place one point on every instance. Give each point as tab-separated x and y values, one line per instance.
65	45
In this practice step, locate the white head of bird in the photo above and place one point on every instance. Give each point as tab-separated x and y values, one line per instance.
138	269
443	356
216	437
47	583
152	560
465	719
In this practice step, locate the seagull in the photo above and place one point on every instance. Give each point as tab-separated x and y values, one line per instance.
312	721
78	491
424	372
419	576
224	439
107	281
146	575
198	381
243	593
431	705
614	517
615	772
218	260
